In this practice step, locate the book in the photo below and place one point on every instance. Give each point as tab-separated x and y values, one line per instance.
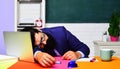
6	61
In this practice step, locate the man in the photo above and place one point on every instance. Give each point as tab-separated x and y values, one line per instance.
55	41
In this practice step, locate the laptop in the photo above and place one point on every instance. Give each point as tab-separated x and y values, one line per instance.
19	44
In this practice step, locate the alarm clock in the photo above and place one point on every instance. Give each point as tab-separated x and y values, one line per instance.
38	23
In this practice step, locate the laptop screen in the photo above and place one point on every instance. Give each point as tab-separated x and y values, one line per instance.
19	44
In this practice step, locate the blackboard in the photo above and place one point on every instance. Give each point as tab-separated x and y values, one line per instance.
80	11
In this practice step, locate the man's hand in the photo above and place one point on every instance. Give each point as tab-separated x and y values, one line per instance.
71	55
45	59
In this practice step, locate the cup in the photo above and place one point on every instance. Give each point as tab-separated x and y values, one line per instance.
106	54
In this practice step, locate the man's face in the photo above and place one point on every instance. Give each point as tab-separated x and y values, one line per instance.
40	39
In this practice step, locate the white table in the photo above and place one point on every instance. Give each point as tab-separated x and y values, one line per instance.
106	45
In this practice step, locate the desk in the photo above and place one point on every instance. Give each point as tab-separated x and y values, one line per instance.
114	64
30	65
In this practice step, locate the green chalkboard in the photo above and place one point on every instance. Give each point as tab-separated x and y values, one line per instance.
80	11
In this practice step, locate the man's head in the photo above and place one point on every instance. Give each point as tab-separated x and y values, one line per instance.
34	34
39	38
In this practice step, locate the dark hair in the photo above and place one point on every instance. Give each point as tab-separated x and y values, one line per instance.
50	44
32	31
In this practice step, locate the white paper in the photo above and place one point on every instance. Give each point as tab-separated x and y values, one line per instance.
90	59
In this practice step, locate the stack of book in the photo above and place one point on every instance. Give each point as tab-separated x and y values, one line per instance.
6	61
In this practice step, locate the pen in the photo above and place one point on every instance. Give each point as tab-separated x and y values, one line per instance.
93	60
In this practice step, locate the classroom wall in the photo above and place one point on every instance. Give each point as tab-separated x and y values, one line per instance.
84	31
6	20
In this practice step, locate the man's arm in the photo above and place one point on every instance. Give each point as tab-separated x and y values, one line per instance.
76	45
71	55
44	59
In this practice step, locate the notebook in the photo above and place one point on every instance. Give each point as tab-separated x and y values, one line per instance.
19	44
7	61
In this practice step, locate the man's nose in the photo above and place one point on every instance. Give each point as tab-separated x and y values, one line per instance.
44	42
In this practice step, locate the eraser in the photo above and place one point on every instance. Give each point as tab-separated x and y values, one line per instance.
58	62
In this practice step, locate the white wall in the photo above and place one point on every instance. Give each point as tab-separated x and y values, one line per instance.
86	32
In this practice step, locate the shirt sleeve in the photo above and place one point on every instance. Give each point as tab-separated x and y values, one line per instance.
82	54
36	53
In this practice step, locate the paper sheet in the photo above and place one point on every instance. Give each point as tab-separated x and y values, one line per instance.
90	59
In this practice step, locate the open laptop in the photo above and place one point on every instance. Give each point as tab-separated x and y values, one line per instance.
19	44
